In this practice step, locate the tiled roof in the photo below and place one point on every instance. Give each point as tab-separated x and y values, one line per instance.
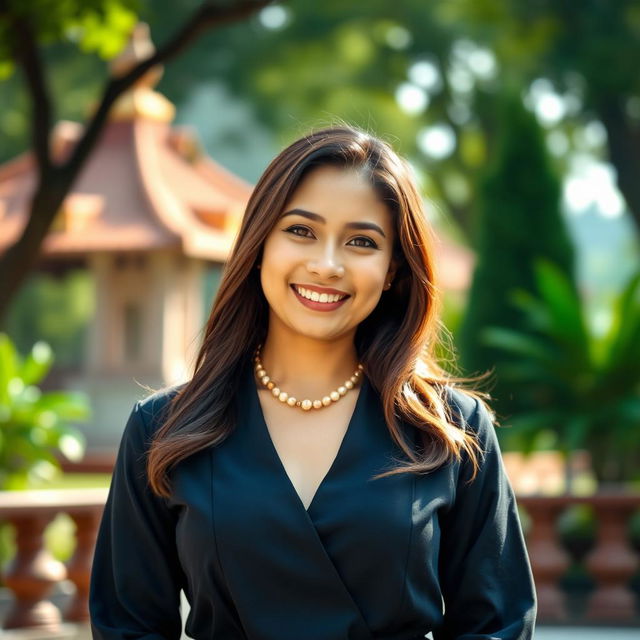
145	186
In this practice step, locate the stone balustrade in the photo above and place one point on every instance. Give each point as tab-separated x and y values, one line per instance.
611	563
33	571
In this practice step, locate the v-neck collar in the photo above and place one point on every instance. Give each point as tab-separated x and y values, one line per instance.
273	452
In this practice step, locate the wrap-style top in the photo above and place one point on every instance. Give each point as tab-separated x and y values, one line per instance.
395	558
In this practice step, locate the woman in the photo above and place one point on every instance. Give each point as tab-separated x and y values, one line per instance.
319	477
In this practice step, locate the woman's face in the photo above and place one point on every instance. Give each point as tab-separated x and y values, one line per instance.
327	259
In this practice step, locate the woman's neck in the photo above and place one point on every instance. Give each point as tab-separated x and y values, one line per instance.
308	367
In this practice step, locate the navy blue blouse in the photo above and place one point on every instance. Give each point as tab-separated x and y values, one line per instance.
389	559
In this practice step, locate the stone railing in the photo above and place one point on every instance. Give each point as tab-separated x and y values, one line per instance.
611	563
33	571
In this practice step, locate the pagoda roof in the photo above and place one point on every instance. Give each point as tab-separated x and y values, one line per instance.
145	186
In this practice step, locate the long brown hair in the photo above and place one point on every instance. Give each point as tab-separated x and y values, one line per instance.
395	343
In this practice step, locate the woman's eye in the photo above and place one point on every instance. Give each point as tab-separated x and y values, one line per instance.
304	232
298	230
364	242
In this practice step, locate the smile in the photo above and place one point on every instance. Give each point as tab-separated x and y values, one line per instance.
319	301
319	297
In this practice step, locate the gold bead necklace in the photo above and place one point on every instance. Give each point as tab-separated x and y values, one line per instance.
305	404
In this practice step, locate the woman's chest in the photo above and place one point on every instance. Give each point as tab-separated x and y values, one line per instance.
306	444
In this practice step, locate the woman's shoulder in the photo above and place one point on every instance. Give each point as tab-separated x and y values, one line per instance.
467	409
153	408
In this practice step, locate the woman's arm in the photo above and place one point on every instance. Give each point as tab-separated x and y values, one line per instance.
485	573
136	577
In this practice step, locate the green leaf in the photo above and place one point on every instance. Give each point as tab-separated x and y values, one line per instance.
563	304
68	405
575	432
37	364
9	365
72	444
6	69
517	343
621	345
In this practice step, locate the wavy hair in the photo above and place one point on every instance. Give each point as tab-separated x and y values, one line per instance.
396	343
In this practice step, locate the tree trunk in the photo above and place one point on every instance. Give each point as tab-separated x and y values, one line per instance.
624	152
19	259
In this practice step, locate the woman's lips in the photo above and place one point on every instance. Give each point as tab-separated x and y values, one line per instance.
318	306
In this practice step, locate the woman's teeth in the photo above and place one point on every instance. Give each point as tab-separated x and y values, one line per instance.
319	297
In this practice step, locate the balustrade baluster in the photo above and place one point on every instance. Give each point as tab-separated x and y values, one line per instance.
612	562
31	574
79	566
33	570
549	561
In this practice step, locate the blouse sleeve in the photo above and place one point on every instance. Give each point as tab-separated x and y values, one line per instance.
485	574
136	577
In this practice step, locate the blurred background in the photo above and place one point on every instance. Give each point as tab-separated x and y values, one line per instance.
522	123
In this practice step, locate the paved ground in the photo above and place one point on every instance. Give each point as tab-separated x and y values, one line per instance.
586	633
81	632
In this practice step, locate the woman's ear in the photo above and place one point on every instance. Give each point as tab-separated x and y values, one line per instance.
393	267
391	273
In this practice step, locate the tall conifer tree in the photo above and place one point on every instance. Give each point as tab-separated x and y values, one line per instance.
519	220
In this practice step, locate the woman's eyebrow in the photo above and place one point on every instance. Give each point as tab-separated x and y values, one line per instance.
368	226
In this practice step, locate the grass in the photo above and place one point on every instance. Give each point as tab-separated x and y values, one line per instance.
75	481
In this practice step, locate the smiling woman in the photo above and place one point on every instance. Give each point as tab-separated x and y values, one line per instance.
319	476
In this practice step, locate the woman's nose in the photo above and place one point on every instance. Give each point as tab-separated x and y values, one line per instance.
326	264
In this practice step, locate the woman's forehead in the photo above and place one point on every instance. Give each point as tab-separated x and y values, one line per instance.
335	193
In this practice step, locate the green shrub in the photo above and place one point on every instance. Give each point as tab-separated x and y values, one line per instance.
35	425
582	386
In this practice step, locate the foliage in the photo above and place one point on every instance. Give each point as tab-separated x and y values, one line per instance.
583	387
596	41
519	221
334	59
94	26
588	50
25	33
34	424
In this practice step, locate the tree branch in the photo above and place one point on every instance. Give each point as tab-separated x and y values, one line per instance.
25	53
207	16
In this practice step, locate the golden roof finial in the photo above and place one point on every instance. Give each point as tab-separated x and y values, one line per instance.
139	48
141	101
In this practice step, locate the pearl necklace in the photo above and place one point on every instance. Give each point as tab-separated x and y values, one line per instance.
305	404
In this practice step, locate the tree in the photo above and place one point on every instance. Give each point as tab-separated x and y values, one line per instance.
99	25
589	50
519	221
